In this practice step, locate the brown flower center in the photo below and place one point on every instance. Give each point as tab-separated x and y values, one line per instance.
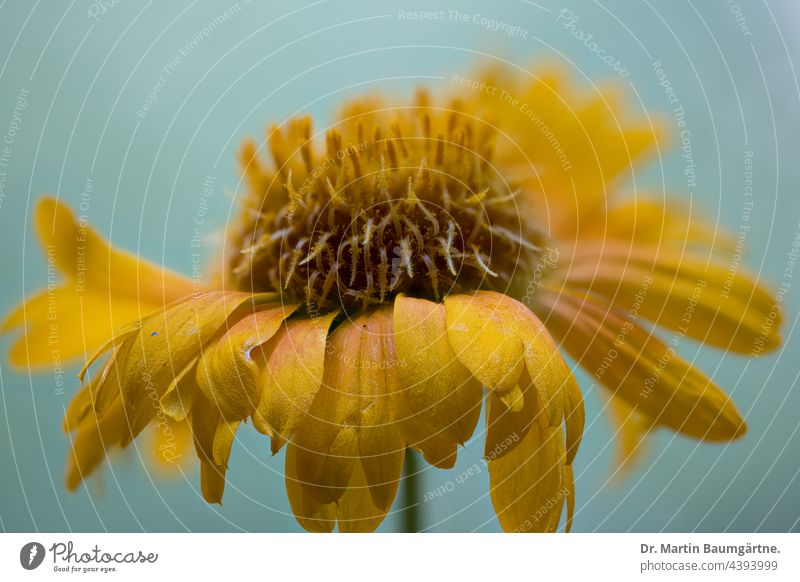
416	208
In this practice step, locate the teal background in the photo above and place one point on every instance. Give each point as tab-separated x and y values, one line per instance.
268	60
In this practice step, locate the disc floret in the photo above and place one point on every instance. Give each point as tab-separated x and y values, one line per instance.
416	208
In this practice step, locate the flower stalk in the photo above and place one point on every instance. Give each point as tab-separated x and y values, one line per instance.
411	517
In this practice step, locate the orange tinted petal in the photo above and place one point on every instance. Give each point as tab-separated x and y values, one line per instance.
310	513
295	363
229	371
350	420
641	369
691	293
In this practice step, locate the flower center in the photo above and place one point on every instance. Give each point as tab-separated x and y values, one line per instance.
416	208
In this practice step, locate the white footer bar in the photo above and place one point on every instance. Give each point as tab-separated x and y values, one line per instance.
389	557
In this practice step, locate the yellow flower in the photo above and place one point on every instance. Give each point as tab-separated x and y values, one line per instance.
624	263
378	291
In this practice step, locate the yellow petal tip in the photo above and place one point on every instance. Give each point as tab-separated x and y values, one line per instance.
513	399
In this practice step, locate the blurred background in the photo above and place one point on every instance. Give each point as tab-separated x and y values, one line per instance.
145	101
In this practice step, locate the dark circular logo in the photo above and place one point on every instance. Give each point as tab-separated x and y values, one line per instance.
31	555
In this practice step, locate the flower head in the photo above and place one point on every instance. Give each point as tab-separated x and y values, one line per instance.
400	200
392	276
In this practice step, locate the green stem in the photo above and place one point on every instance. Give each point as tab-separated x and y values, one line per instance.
411	499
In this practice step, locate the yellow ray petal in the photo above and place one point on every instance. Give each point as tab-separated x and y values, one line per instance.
326	438
574	418
223	441
439	402
642	370
526	484
168	447
77	325
350	418
310	513
650	220
105	288
213	438
229	371
93	438
295	362
567	147
381	446
505	427
356	510
122	273
101	424
80	405
112	343
630	427
691	293
550	374
485	340
555	386
168	342
177	400
568	479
